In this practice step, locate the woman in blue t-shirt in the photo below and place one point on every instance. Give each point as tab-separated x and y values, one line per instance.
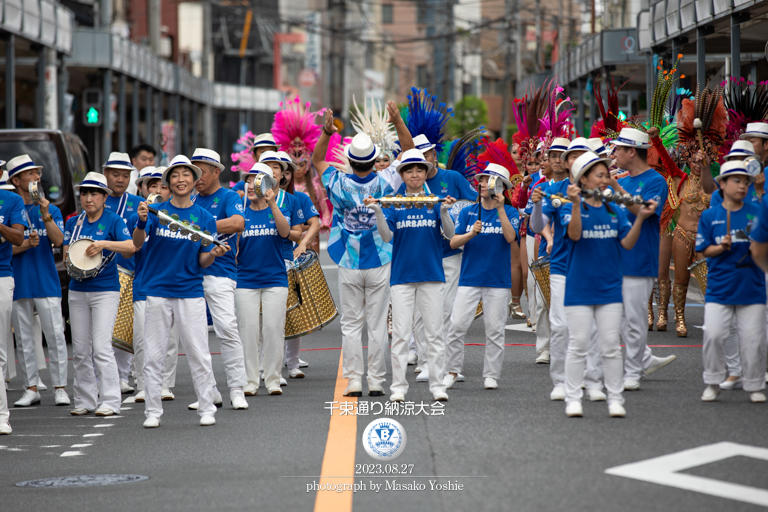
487	232
417	277
262	283
93	302
593	282
735	285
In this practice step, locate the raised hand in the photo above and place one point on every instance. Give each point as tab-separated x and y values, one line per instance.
329	126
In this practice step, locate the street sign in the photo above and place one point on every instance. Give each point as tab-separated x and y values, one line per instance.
306	79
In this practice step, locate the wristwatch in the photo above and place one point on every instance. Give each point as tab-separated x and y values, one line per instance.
48	218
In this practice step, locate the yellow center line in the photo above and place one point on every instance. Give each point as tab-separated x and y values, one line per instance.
339	458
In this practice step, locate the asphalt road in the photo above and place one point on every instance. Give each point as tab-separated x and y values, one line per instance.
509	449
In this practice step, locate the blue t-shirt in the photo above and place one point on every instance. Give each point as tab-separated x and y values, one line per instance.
417	245
732	276
11	212
131	205
34	270
222	204
752	197
293	213
172	259
306	205
447	183
544	185
138	260
109	226
760	228
643	259
559	219
354	241
594	266
488	250
239	186
260	262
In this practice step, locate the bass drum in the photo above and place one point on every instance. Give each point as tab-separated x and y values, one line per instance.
540	269
122	334
316	307
700	270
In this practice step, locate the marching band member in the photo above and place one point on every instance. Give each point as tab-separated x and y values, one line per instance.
37	286
593	292
220	277
487	232
262	283
142	156
173	258
13	223
118	170
416	236
93	302
735	285
757	134
149	181
263	142
362	255
641	265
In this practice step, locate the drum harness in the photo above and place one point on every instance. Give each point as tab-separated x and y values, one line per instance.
79	226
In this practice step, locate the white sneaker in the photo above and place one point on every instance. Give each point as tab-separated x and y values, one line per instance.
413	358
207	421
632	384
616	410
596	395
354	388
61	397
710	393
41	385
28	398
657	363
165	394
194	406
543	358
251	390
397	397
303	364
125	388
283	382
151	422
375	390
278	391
440	397
79	411
757	397
217	400
418	370
732	384
449	380
237	399
140	397
104	411
557	394
296	374
5	429
423	376
574	410
490	383
460	378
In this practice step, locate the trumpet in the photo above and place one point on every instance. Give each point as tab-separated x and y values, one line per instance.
185	228
416	201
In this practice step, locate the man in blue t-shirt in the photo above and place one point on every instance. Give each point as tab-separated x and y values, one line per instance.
38	287
13	223
641	264
362	255
220	278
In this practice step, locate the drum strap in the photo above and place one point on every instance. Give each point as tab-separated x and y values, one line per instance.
122	205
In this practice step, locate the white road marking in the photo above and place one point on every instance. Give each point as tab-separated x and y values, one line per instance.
51	446
71	454
130	400
103	425
93	435
519	327
81	445
664	470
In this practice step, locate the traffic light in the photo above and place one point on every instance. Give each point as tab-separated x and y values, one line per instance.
93	101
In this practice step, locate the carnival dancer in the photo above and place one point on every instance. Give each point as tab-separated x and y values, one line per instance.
118	170
374	122
593	293
93	301
13	223
262	282
220	277
487	232
171	257
37	286
362	255
254	147
640	265
735	285
416	235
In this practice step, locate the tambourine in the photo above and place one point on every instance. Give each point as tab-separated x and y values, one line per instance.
754	166
495	186
415	201
154	198
262	183
185	228
34	191
606	196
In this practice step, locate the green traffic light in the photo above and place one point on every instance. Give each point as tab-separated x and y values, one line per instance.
92	116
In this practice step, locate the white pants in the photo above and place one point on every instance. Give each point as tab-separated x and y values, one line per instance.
364	300
581	320
495	303
8	355
271	323
558	346
24	325
189	316
530	245
634	328
428	299
750	321
452	270
292	350
220	296
6	306
139	311
92	317
124	362
543	330
172	359
731	349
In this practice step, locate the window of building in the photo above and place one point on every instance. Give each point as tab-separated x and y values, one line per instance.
488	86
421	75
387	13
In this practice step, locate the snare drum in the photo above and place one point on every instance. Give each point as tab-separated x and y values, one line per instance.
540	269
79	266
700	270
122	334
316	307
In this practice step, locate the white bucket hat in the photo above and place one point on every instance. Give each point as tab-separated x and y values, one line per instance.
119	160
20	164
633	138
413	156
150	172
180	161
539	147
740	148
577	144
362	150
499	171
4	182
285	157
207	156
585	162
598	147
422	143
271	156
755	130
734	168
264	140
94	180
559	144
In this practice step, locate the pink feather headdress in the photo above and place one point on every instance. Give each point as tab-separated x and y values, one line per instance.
295	130
243	161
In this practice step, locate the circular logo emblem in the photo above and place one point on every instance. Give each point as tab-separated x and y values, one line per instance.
384	439
628	43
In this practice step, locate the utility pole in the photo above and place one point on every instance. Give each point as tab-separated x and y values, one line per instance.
448	61
592	20
507	82
338	12
207	72
154	17
539	53
518	45
558	26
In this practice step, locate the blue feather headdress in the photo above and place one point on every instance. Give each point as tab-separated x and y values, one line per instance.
428	117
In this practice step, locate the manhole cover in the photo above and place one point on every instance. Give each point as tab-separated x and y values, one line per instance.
82	481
